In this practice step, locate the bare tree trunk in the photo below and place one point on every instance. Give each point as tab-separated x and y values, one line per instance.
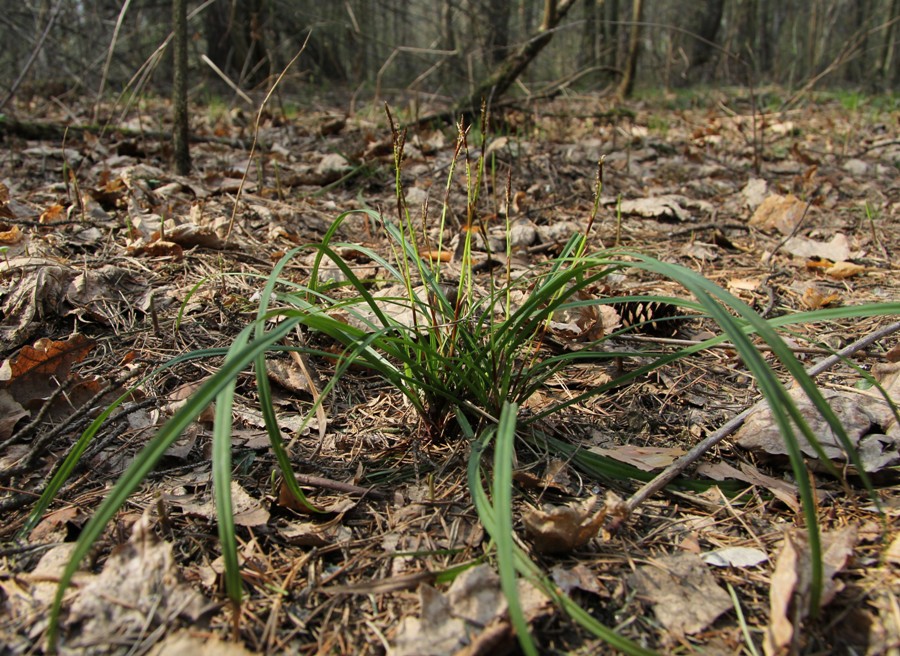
236	33
766	34
706	33
887	49
587	57
448	35
858	69
626	84
179	88
498	30
506	72
611	32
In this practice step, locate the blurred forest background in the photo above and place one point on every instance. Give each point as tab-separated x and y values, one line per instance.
442	50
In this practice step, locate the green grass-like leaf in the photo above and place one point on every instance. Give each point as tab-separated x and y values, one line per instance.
147	459
508	553
465	367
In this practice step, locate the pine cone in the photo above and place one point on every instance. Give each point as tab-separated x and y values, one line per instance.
651	317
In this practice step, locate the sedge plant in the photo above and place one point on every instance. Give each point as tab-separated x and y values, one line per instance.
465	351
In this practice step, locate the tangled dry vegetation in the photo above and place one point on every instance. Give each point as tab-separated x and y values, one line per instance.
113	266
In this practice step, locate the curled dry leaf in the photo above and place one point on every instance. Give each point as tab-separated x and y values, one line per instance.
791	580
892	555
812	299
743	285
668	207
53	214
577	578
585	323
10	234
817	262
754	192
866	416
5	212
842	270
37	371
312	534
159	248
178	398
188	235
555	477
782	490
288	375
893	355
781	213
11	411
561	529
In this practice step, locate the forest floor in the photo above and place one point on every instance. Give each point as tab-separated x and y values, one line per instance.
103	244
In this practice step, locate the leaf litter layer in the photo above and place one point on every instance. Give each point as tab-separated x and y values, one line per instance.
121	266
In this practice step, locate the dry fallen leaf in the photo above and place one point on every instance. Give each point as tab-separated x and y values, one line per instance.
867	418
735	557
685	596
189	643
47	358
836	249
645	458
791	580
288	375
555	477
780	489
842	270
159	248
247	510
435	633
4	201
812	299
892	555
815	263
311	534
53	527
178	398
754	192
470	619
10	234
743	284
37	371
781	213
579	577
561	529
893	355
11	411
188	235
53	214
139	587
667	207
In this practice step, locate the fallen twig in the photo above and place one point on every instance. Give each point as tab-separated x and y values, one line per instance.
727	346
338	486
677	467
